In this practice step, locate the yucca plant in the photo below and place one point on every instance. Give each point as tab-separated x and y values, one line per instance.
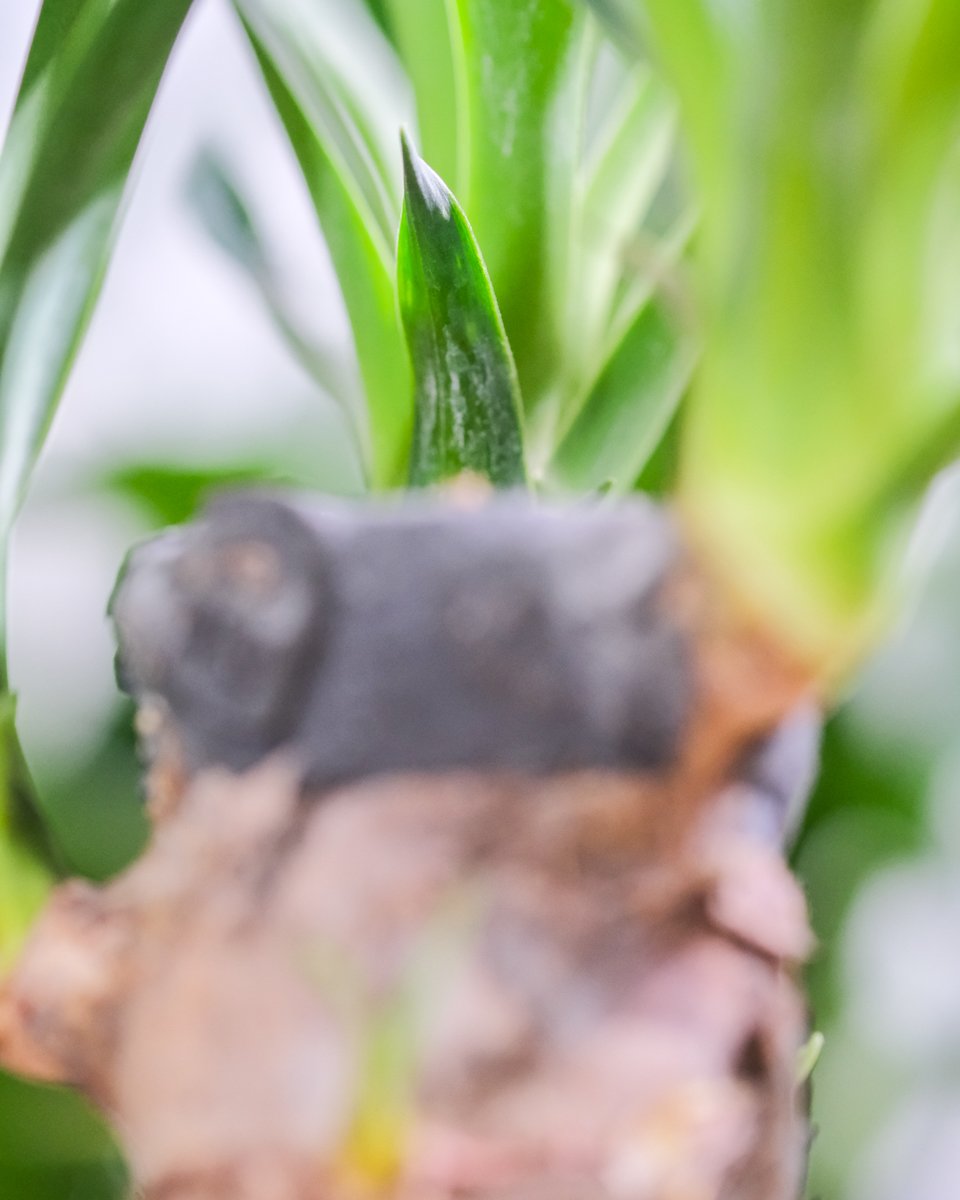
584	248
556	152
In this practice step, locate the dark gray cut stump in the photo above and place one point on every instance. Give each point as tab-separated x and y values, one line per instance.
411	637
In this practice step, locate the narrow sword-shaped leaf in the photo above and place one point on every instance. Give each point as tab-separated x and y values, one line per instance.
430	42
336	132
616	188
629	406
467	399
220	205
516	69
87	89
85	106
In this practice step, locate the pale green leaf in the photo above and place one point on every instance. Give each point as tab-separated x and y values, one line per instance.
88	88
517	59
629	406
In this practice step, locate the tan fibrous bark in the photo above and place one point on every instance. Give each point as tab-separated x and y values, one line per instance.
437	986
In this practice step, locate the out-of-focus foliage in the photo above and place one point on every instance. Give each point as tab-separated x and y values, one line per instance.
822	139
87	89
879	859
52	1144
557	147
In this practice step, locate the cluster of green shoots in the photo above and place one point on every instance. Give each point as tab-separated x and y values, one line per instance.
702	247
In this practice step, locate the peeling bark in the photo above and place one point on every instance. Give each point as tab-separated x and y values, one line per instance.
455	978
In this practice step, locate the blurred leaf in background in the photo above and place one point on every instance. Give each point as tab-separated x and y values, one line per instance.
87	89
878	854
52	1147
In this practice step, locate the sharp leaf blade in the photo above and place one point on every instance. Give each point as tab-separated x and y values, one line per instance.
467	396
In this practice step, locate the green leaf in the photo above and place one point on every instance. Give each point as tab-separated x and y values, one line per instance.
467	396
823	302
379	12
216	198
88	85
621	19
518	157
53	1146
173	493
337	87
616	188
28	860
430	41
692	42
808	1056
629	407
108	828
88	88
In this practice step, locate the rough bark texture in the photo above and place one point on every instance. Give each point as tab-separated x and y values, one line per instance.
455	978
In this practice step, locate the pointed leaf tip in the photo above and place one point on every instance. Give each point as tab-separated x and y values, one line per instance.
422	180
467	398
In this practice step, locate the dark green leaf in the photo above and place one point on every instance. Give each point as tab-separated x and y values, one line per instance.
64	1181
46	1126
466	391
96	804
57	21
54	1147
661	470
